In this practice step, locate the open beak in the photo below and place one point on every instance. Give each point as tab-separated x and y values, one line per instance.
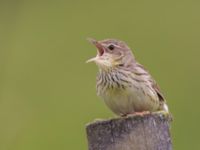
100	49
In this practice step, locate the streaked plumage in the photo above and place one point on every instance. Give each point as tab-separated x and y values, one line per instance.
124	84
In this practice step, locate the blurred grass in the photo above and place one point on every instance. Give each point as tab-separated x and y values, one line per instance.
47	92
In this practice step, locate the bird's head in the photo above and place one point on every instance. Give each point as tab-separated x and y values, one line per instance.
111	53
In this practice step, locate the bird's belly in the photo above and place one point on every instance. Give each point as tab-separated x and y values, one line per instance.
128	101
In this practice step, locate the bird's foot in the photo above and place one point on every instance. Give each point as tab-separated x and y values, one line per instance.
142	113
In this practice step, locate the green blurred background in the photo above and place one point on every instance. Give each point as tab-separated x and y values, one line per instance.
47	92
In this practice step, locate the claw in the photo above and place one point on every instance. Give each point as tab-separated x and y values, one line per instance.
136	114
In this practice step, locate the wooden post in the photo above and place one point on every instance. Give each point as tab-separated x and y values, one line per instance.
136	132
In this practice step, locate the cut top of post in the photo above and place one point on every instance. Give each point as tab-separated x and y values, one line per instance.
135	132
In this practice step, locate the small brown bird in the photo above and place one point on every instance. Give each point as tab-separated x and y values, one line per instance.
125	86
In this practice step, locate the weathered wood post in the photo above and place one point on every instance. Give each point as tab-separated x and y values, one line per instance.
147	132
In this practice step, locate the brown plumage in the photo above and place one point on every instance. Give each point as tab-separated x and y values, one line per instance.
125	86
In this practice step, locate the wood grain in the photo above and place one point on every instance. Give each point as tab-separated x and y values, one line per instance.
136	132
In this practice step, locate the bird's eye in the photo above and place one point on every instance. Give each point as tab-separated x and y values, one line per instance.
111	47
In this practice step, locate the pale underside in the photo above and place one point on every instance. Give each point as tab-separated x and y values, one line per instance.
131	96
131	100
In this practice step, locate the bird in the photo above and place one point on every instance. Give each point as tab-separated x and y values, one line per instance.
122	82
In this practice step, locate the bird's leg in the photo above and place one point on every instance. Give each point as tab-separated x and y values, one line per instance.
142	113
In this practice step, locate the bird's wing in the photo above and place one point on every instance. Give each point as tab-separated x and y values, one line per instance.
157	89
140	70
